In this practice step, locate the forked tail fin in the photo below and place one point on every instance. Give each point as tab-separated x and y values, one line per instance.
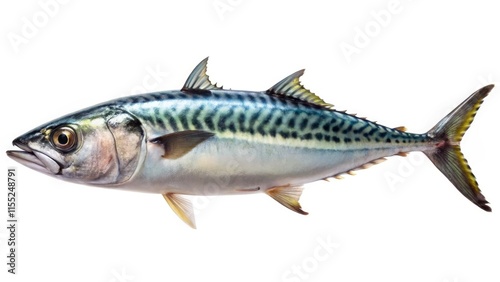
447	156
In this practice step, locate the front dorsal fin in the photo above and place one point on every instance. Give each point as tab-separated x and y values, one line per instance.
198	79
182	207
290	86
288	196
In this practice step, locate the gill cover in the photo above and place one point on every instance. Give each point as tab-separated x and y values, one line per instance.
128	136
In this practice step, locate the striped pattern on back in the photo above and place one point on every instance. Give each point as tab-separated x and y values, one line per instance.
258	116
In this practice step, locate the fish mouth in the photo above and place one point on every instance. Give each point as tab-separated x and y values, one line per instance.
34	159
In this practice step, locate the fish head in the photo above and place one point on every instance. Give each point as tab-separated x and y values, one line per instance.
98	146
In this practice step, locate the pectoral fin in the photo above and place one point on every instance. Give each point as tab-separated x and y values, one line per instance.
288	197
178	144
182	207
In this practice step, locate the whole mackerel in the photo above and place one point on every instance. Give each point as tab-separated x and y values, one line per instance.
206	140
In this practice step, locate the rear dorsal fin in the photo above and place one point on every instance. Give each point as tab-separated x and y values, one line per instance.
198	79
290	86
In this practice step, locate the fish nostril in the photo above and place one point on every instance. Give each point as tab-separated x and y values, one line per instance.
21	143
16	141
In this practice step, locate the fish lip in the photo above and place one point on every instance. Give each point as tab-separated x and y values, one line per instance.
34	159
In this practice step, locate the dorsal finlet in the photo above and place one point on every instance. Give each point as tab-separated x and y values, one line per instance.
290	86
198	79
363	166
400	128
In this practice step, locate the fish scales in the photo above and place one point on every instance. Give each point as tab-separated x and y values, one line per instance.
205	140
232	114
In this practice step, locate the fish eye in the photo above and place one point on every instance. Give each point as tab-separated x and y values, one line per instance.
64	138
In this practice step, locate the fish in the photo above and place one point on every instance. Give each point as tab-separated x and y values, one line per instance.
207	140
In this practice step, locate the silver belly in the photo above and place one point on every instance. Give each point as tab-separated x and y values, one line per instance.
231	166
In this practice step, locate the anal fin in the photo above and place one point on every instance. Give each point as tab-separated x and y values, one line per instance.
182	207
288	196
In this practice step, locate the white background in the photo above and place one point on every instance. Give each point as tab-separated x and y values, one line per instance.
398	221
